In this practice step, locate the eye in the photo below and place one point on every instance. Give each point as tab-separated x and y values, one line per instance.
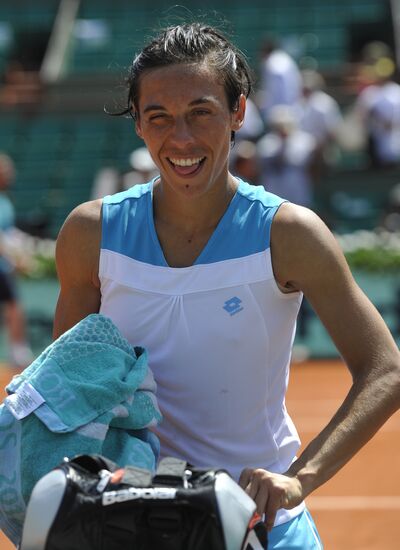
201	112
157	116
159	119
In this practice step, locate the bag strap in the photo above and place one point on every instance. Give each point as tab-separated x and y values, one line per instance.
93	463
137	477
170	471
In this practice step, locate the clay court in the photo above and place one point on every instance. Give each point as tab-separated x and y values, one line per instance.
360	508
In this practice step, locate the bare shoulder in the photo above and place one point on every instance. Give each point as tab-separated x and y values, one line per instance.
86	217
292	219
82	224
303	248
78	242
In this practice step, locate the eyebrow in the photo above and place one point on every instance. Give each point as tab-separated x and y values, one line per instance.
202	100
199	101
154	107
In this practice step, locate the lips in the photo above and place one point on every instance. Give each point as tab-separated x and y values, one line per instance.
186	166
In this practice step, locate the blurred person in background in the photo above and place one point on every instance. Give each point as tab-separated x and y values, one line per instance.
110	180
378	107
253	125
280	79
244	161
287	154
19	86
20	353
143	168
319	115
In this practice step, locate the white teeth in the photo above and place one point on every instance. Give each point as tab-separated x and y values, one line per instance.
186	162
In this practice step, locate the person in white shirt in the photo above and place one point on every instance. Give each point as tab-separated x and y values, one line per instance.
319	115
378	107
253	125
280	79
286	154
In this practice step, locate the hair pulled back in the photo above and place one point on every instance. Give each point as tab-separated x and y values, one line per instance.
192	43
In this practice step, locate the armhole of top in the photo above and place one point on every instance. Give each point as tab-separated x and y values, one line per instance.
103	221
277	289
271	216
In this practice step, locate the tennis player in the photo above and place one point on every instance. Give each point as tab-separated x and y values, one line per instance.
208	273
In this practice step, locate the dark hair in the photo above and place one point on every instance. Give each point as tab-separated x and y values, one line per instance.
192	43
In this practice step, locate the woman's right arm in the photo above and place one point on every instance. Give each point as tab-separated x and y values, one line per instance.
77	260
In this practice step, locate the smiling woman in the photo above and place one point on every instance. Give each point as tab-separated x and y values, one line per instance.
203	100
207	273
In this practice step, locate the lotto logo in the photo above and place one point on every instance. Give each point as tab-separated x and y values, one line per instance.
233	305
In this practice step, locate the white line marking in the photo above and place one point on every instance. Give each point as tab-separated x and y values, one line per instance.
315	403
354	503
307	424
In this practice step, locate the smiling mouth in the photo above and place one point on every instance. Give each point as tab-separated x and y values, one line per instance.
186	167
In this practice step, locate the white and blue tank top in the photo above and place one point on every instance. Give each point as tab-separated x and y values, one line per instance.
218	333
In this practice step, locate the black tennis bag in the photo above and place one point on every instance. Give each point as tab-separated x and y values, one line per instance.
88	503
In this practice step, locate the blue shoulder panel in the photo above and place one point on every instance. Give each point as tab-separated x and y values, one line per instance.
245	227
128	226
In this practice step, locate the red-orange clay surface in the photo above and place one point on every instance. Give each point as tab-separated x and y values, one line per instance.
359	509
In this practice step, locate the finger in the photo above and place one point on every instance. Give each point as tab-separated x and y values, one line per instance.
284	502
252	488
273	505
245	477
261	500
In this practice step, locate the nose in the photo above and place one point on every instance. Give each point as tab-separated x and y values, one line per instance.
181	133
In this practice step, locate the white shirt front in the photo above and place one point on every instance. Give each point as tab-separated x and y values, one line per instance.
218	333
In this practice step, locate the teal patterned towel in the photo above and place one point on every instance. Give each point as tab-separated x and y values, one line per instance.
89	392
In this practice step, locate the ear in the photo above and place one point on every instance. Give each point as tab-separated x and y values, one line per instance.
138	127
238	114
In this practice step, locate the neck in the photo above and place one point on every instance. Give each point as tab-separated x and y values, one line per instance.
195	214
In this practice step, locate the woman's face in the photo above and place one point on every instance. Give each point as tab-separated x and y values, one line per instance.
184	119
